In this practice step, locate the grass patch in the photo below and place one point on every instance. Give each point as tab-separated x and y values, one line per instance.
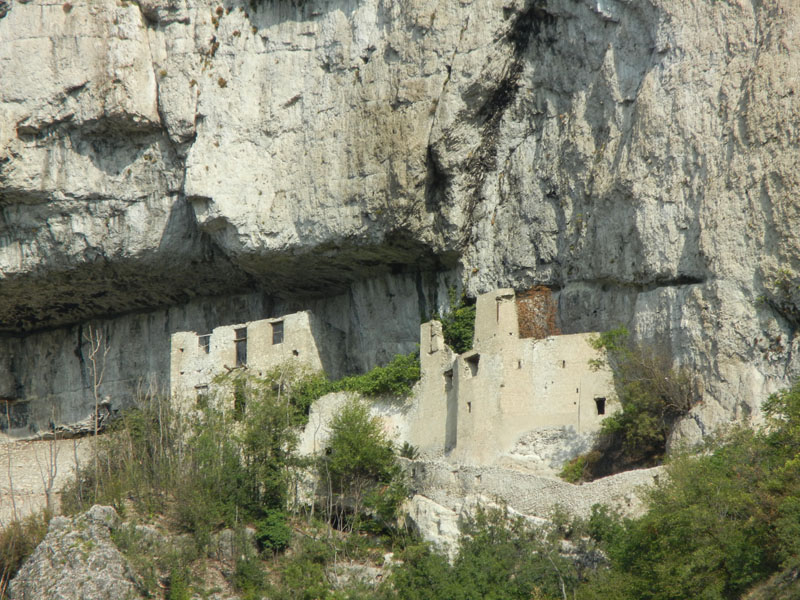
18	540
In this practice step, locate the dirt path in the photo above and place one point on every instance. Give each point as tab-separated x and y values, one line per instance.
29	467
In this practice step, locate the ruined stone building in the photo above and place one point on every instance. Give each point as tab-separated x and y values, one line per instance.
524	396
523	389
483	406
297	339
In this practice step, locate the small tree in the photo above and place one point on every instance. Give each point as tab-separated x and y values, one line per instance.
98	351
358	470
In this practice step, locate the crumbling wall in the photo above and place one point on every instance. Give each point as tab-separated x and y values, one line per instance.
537	312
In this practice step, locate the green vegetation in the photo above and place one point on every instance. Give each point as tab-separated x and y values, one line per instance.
236	468
720	522
358	472
18	540
501	558
652	396
163	464
720	525
458	325
717	526
395	379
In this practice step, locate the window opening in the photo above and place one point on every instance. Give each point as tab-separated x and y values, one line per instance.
240	340
202	395
469	407
277	332
601	405
448	380
563	364
204	342
472	364
14	413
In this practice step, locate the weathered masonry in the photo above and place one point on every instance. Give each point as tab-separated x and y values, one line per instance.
476	406
472	408
258	346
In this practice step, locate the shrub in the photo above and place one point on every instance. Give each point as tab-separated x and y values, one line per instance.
719	523
178	584
137	459
652	396
408	451
500	557
573	471
273	533
458	325
395	379
358	469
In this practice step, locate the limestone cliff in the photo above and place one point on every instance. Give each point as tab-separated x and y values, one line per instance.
637	156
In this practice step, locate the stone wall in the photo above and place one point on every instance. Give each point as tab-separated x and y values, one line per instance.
297	340
51	371
483	401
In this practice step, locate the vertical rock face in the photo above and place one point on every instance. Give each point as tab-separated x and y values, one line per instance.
637	156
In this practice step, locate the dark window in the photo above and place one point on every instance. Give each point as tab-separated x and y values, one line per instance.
448	380
204	341
13	414
277	332
601	405
240	339
472	364
563	364
469	406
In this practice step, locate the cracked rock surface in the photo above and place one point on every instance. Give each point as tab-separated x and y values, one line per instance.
639	157
77	560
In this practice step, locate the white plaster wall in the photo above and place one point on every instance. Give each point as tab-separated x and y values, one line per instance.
495	318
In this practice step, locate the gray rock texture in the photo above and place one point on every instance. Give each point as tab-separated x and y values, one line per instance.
638	156
77	560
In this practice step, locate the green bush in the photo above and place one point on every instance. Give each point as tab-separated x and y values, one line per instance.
394	379
273	533
138	459
652	396
358	470
249	577
500	558
458	325
719	523
178	584
409	451
573	471
303	576
213	487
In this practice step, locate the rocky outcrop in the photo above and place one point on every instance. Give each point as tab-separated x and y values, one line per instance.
77	560
447	495
637	157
